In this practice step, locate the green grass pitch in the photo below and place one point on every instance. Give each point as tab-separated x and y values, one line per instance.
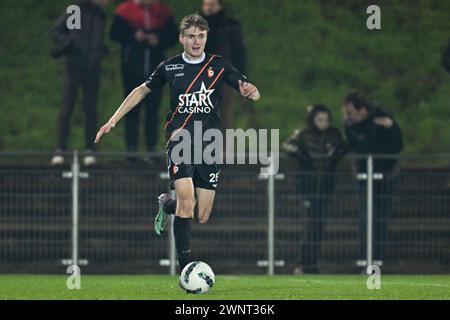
348	287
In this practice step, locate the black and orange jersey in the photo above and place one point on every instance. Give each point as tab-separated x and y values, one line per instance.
195	90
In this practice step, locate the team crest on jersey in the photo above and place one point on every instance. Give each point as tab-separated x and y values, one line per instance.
196	102
210	73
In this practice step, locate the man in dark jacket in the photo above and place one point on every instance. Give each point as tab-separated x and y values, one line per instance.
318	149
371	130
84	50
225	39
145	29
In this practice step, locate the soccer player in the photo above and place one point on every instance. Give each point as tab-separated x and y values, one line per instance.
195	78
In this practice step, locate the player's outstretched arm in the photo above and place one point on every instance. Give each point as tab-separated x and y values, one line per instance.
133	99
249	91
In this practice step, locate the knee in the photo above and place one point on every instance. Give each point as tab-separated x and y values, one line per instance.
203	216
185	207
203	220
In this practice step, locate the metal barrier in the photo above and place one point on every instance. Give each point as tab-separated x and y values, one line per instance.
101	218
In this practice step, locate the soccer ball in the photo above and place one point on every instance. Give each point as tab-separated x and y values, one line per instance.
197	278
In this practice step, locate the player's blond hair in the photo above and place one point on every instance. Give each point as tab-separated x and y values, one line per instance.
193	20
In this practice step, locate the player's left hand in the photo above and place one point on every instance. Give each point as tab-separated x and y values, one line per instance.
249	91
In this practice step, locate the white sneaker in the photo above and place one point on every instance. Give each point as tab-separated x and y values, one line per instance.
89	161
57	160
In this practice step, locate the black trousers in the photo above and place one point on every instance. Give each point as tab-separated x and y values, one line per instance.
88	79
316	190
151	105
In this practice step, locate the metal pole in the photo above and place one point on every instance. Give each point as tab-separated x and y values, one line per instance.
369	212
271	224
75	189
172	249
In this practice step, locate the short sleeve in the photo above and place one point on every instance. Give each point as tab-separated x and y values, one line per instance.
233	75
157	78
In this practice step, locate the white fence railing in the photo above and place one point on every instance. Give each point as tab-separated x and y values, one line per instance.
101	218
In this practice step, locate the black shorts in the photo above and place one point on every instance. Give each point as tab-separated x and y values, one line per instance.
205	176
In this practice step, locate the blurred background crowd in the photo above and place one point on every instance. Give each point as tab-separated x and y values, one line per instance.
299	53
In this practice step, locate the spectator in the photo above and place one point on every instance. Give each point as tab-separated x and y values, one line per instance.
318	149
145	29
225	39
84	50
371	130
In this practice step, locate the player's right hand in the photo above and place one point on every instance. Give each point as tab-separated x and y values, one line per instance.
105	129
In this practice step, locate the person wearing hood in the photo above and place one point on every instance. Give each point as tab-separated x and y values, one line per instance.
145	29
318	149
225	39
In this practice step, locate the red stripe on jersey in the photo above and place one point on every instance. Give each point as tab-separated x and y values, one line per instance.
190	115
217	78
188	89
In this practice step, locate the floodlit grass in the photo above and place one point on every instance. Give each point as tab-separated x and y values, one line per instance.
347	287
